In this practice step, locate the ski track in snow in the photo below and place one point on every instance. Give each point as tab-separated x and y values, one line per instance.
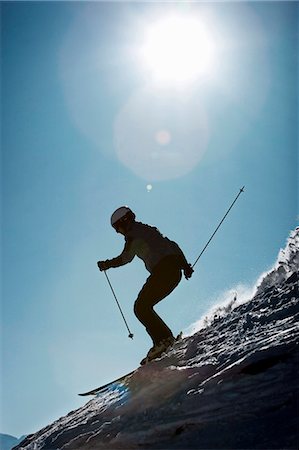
231	385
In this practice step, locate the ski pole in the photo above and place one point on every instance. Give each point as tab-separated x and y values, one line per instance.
122	314
240	192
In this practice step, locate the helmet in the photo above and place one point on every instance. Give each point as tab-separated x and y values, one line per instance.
122	215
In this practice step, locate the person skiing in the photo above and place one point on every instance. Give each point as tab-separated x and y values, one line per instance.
164	260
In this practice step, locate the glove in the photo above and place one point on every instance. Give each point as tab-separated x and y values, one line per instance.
188	271
103	265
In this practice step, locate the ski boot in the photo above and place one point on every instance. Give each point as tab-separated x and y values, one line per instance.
158	349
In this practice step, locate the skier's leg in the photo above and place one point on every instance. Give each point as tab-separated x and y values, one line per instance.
160	284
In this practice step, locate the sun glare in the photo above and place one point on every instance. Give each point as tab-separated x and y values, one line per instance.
177	49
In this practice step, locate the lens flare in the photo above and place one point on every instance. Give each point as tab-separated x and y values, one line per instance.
160	155
163	137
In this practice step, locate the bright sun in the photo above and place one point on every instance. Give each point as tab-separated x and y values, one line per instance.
177	49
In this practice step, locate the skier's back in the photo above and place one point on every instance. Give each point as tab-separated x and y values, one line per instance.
164	260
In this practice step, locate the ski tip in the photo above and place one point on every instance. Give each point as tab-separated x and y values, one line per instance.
105	387
86	394
242	189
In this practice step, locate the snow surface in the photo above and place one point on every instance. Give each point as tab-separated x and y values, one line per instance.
231	385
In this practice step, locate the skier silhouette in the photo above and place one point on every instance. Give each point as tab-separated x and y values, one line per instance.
164	260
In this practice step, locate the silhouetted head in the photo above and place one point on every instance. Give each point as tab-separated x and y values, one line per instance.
122	218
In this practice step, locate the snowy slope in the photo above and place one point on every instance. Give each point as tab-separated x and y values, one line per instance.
231	385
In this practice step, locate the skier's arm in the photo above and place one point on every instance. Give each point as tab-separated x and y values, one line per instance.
125	257
187	268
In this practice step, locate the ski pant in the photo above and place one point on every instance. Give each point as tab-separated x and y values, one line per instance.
162	281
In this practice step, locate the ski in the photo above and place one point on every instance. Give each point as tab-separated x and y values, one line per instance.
102	388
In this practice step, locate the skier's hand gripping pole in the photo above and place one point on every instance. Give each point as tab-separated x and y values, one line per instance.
220	223
131	335
188	271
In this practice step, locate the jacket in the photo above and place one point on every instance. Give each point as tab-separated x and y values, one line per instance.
148	244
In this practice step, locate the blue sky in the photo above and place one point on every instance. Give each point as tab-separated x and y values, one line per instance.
81	120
